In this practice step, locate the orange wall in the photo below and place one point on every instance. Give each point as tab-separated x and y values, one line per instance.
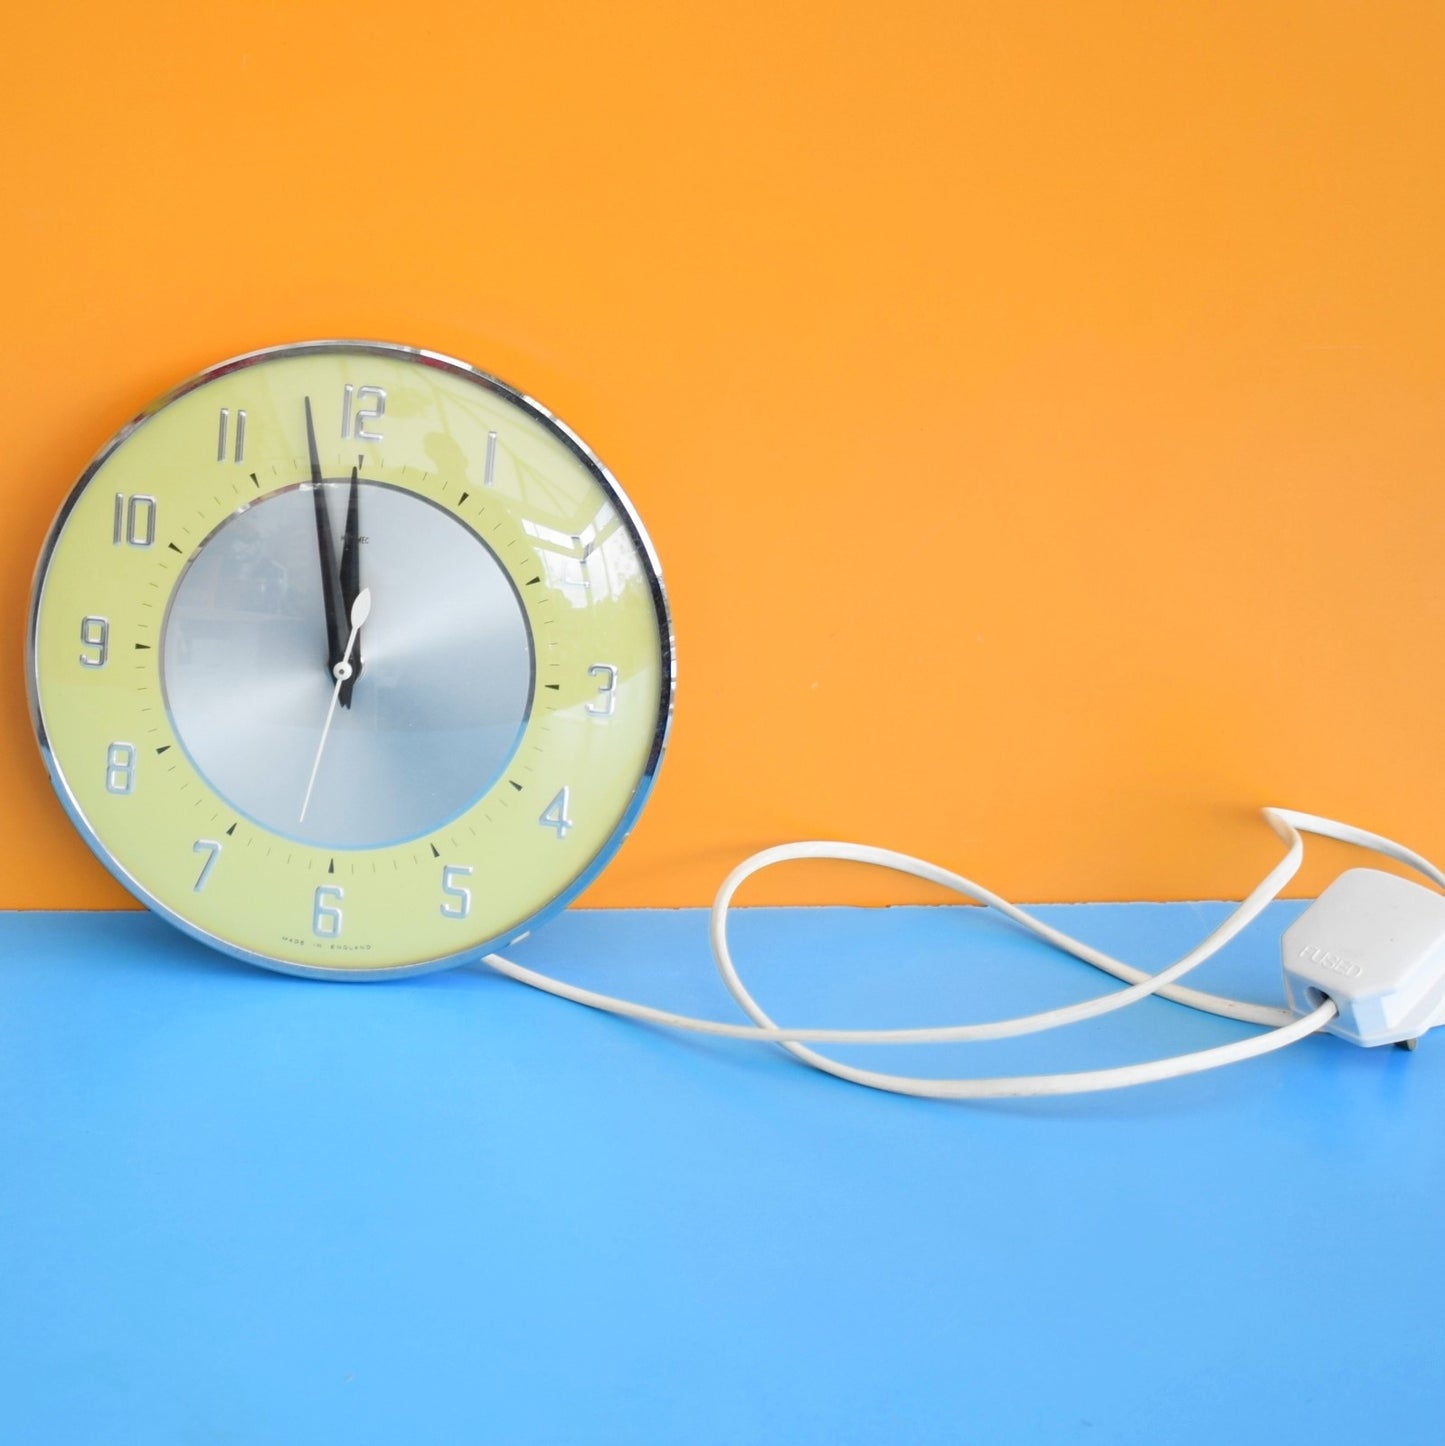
1037	408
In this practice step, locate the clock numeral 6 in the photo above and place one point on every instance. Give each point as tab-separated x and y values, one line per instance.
555	814
325	916
355	424
606	700
458	902
95	633
134	521
120	768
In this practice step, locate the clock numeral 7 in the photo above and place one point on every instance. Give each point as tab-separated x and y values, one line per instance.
355	425
134	520
212	850
458	902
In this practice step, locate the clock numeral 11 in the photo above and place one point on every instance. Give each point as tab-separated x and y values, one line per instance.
240	435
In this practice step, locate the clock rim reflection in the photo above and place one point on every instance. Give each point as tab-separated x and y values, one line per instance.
581	453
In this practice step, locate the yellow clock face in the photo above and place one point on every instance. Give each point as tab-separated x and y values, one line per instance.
350	660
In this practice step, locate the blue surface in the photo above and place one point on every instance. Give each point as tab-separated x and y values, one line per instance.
237	1207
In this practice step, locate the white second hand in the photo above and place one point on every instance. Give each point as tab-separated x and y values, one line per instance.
360	610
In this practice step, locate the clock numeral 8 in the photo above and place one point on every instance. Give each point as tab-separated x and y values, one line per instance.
134	520
325	916
120	768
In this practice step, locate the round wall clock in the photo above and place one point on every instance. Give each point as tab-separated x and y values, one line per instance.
350	660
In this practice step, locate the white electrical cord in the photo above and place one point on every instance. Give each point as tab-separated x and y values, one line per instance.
1285	1027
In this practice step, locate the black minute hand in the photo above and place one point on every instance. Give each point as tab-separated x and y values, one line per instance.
351	582
337	626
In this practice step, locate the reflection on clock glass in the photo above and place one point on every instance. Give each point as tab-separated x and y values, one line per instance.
443	682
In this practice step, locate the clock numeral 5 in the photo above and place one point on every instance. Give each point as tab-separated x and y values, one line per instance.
120	768
134	520
356	425
555	814
95	633
325	916
458	902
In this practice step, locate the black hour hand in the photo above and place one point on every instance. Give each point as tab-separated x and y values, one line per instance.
338	624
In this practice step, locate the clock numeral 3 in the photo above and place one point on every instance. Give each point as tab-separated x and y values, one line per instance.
606	700
555	814
458	902
325	916
134	520
212	850
120	768
354	424
95	633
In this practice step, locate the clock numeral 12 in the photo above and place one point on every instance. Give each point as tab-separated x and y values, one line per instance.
458	902
135	520
355	426
555	814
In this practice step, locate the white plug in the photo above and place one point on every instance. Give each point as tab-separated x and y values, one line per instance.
1374	944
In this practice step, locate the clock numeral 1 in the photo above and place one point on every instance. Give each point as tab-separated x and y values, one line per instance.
95	633
240	435
212	850
325	916
606	690
355	425
458	901
555	814
120	768
135	520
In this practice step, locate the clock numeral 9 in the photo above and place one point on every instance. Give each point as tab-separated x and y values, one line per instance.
325	916
555	814
134	520
95	633
355	425
120	768
606	700
458	902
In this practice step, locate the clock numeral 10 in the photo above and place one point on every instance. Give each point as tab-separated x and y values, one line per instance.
458	901
95	633
555	814
120	768
325	916
355	424
135	520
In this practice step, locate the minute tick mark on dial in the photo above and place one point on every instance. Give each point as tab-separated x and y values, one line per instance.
174	548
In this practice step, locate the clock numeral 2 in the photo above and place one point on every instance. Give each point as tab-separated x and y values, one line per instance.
95	633
356	425
120	768
555	814
240	435
135	520
458	901
325	916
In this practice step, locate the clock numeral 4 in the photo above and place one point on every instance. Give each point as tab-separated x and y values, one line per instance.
120	768
212	850
555	814
369	405
325	915
95	633
134	520
458	901
606	700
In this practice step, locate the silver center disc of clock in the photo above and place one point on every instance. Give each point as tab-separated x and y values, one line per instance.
437	709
